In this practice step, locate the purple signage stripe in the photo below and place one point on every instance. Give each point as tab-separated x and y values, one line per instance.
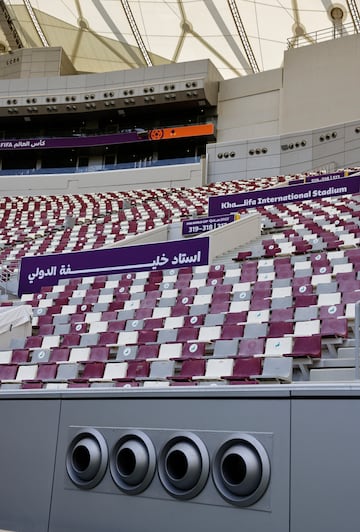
322	177
232	203
201	225
316	178
70	142
296	181
47	270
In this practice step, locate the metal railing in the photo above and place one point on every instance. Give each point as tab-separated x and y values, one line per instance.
335	32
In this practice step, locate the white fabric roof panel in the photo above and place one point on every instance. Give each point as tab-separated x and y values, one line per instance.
105	35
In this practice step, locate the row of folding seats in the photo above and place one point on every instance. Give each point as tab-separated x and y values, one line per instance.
23	217
241	345
22	211
91	205
306	243
160	305
165	371
316	306
167	323
108	372
248	329
78	241
238	365
320	292
264	311
282	344
162	342
254	273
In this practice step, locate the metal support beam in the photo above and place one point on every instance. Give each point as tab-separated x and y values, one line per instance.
8	27
354	12
36	23
136	32
243	36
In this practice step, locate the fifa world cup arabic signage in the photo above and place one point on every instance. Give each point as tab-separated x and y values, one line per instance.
68	142
231	203
78	141
47	270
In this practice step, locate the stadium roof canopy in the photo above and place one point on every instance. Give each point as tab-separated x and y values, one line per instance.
239	36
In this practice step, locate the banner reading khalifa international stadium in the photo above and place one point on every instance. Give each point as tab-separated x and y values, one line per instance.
232	203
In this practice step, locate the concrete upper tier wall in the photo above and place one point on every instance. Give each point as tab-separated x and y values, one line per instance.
11	63
249	107
36	78
320	85
302	117
183	175
316	87
328	149
35	63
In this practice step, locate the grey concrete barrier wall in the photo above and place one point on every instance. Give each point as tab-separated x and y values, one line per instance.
275	458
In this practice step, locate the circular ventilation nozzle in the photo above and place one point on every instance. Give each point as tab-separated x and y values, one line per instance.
184	465
133	462
86	459
241	470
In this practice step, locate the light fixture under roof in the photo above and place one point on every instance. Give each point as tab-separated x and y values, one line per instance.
336	14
